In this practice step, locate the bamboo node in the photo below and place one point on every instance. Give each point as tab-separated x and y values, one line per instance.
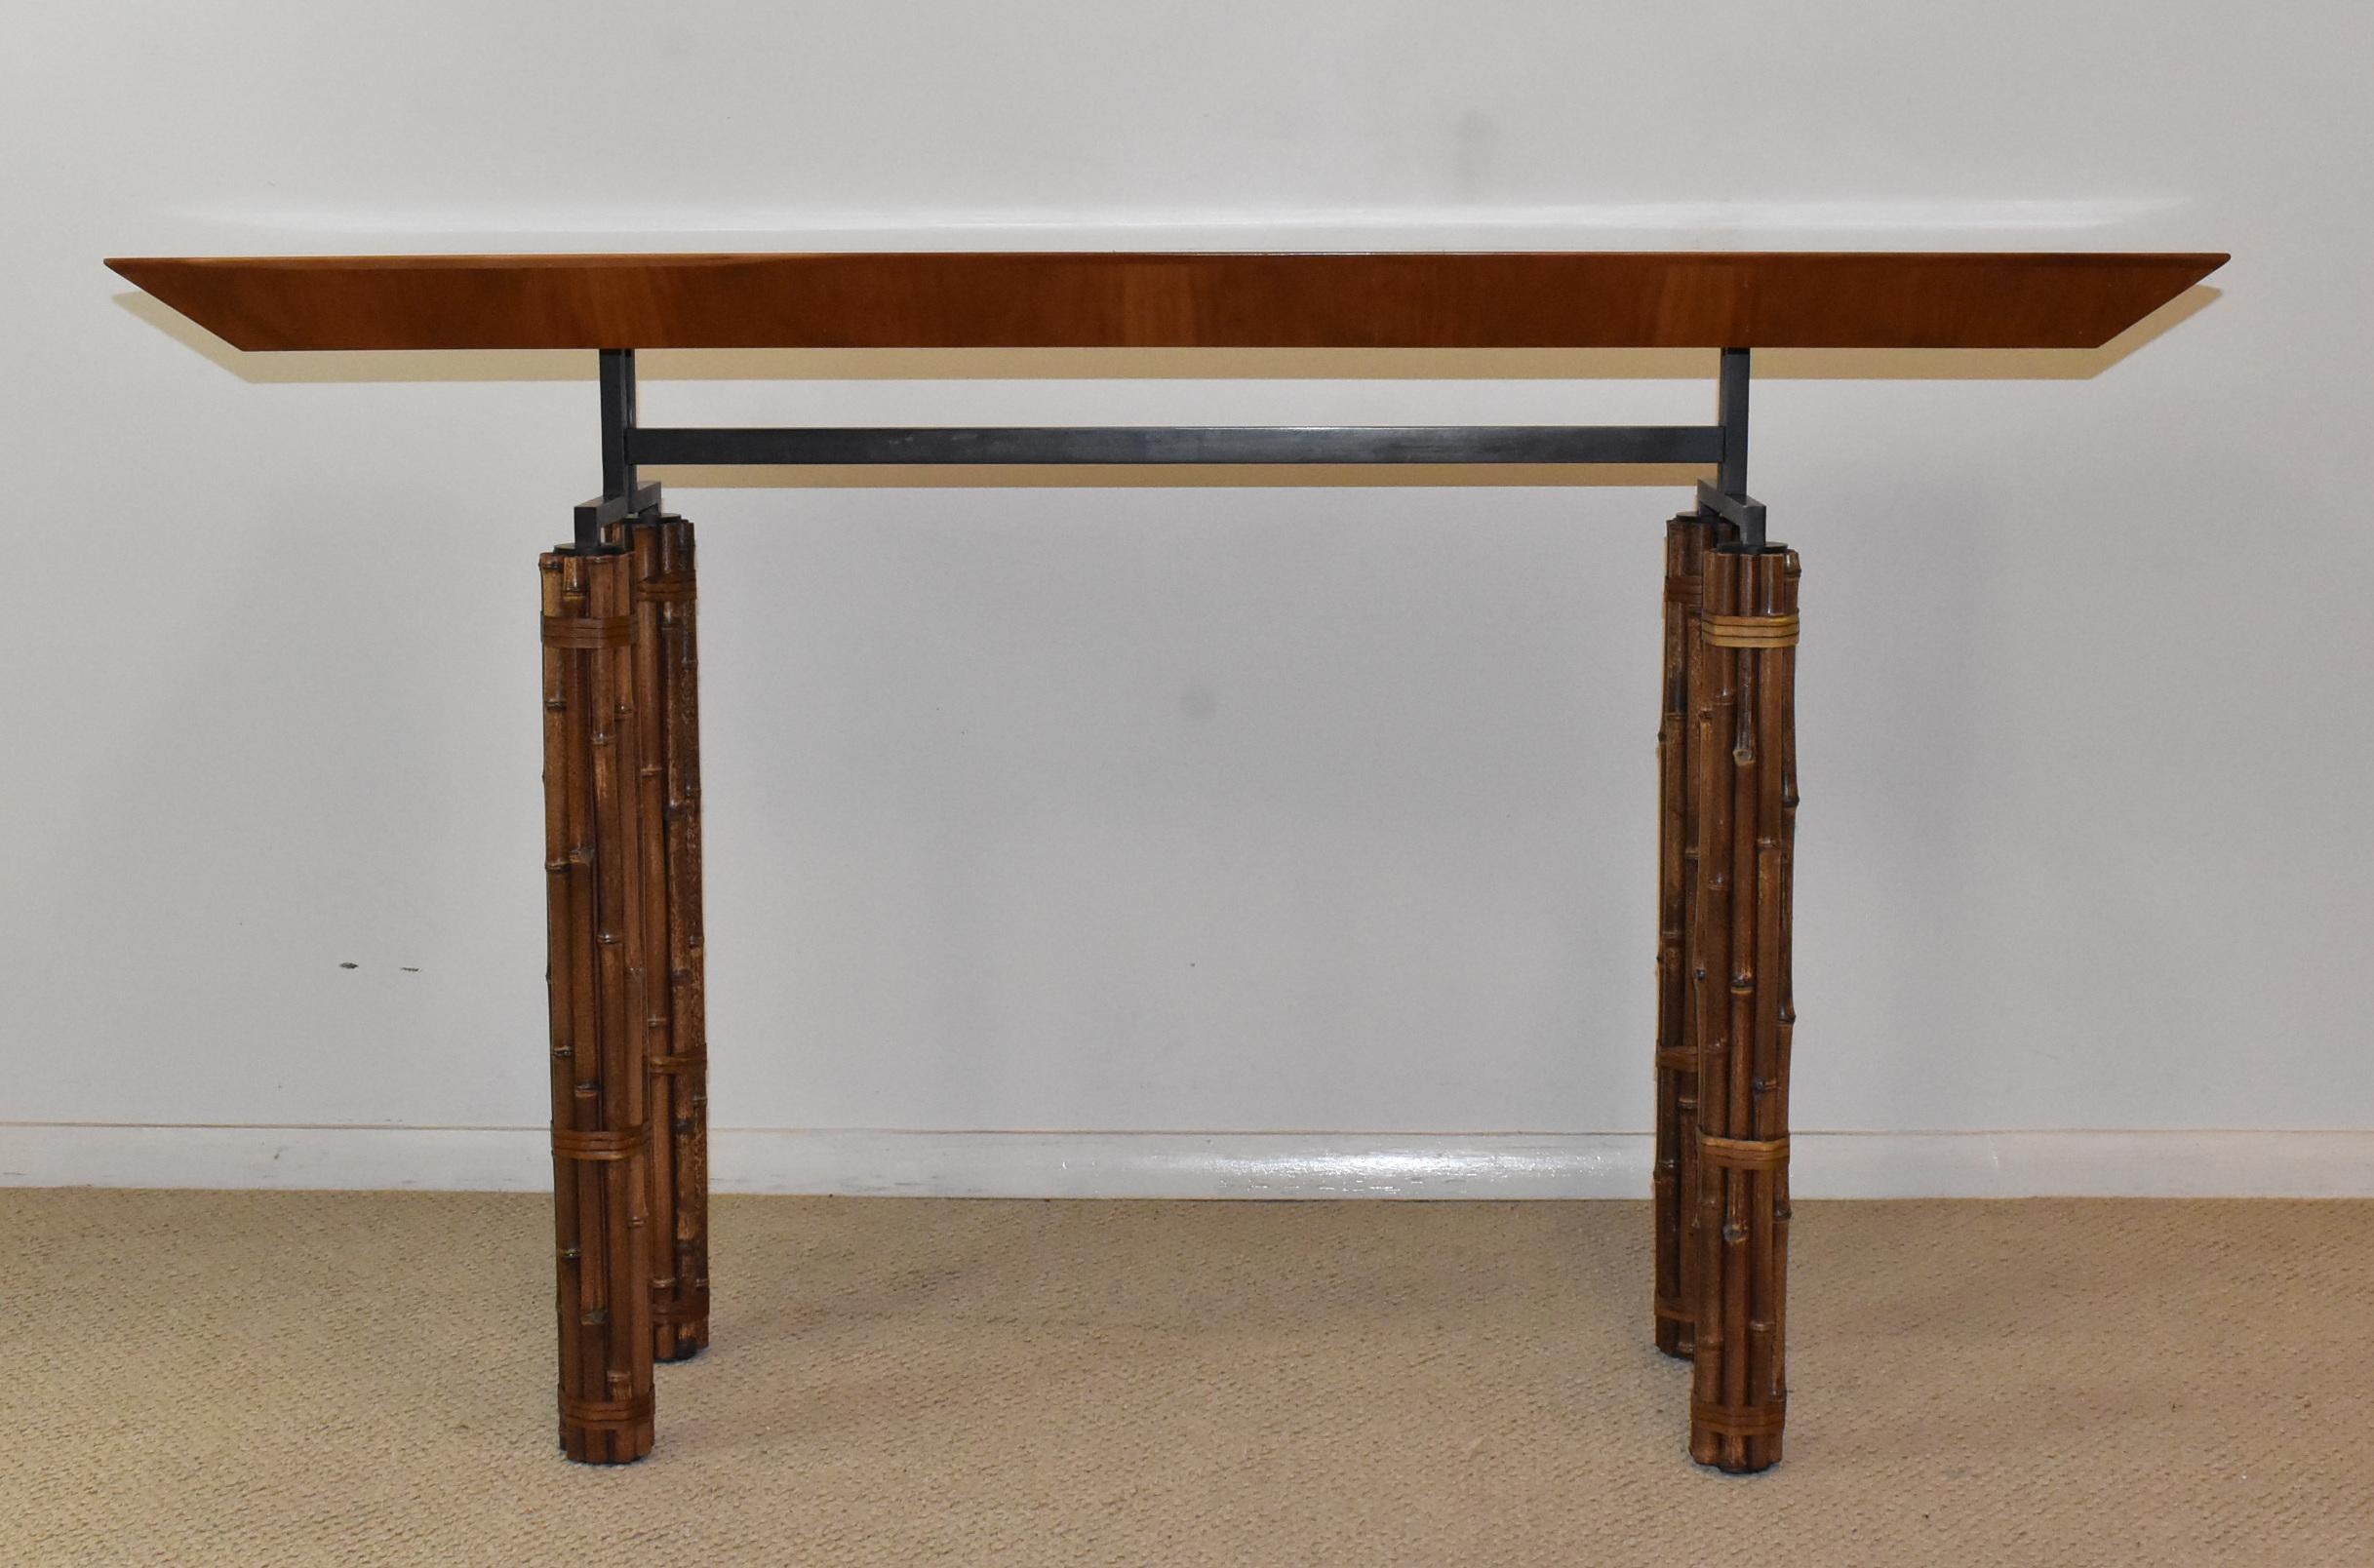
678	1063
680	1311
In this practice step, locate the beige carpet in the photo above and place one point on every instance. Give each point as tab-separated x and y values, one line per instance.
262	1379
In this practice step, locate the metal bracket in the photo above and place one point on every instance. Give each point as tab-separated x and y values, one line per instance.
622	496
1745	511
598	514
625	444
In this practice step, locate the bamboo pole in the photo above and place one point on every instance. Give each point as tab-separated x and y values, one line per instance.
1673	1183
1784	993
1746	778
651	844
601	1134
1714	708
566	871
667	692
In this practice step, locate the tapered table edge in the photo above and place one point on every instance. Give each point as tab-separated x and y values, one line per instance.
1869	299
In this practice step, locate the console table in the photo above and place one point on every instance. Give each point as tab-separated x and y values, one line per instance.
623	839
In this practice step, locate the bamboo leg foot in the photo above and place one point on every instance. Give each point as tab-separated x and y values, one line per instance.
1742	683
667	692
596	980
1687	538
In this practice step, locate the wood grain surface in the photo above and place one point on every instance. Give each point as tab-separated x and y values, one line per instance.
1056	300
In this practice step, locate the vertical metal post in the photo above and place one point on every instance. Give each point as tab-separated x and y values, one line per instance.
1731	414
617	382
617	418
1731	417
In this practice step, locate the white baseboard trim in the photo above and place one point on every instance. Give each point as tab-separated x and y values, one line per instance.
1185	1164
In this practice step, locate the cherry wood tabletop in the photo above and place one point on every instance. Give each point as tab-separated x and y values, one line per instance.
1193	300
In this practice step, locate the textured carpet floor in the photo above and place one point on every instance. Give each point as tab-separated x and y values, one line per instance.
201	1378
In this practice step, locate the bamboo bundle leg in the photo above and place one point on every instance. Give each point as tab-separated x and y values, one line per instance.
601	1134
1687	538
1743	673
668	680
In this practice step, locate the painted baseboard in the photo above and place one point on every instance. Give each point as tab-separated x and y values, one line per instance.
1177	1164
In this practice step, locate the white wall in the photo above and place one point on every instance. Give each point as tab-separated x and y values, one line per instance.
1217	808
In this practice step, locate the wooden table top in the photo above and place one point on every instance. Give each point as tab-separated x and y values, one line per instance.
1196	300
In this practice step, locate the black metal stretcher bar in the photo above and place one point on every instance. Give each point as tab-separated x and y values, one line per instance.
1194	444
628	444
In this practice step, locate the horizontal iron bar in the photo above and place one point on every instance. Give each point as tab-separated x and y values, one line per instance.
1215	444
1745	511
593	516
618	508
